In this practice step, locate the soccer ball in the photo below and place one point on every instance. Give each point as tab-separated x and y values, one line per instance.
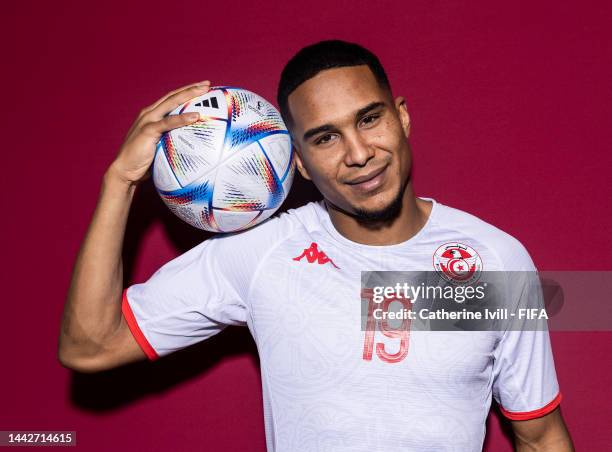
231	169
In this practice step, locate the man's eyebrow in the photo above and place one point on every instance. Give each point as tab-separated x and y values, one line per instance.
312	132
368	108
328	127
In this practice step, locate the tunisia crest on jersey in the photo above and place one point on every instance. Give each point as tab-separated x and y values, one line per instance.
457	263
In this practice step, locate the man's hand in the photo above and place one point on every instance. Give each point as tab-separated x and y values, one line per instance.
138	150
547	433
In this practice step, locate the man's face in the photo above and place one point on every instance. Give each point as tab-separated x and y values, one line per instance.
351	140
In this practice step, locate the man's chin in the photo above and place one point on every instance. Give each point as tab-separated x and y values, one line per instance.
386	213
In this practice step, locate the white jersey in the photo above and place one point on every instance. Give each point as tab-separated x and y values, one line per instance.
295	282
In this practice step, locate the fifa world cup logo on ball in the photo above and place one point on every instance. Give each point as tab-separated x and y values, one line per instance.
231	169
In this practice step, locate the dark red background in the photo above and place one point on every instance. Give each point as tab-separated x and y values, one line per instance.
510	108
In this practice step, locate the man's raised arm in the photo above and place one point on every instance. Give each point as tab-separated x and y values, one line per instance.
94	335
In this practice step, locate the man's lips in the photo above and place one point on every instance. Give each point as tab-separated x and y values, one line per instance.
370	181
366	177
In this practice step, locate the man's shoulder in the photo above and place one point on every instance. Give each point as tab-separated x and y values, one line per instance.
276	228
510	252
306	217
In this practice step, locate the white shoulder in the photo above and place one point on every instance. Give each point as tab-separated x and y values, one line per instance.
510	252
258	240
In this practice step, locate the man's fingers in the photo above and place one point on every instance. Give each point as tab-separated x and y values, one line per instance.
174	101
157	111
157	128
172	93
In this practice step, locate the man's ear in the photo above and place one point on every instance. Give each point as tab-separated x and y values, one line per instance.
402	111
298	161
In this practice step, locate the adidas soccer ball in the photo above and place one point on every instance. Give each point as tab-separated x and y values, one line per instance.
231	169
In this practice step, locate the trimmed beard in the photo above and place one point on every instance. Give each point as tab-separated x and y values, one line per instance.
386	214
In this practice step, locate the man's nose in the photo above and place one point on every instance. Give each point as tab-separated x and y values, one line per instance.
358	151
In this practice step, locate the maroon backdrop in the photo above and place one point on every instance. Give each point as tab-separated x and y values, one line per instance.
510	108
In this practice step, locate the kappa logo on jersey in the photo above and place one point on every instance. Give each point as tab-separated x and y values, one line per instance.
314	254
457	263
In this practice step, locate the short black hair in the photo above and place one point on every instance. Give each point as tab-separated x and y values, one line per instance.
317	57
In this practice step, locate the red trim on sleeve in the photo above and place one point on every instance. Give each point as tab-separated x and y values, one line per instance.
527	415
135	329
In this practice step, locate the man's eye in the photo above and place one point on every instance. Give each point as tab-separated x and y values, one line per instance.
324	139
369	120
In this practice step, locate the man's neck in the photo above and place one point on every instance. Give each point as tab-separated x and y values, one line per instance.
411	219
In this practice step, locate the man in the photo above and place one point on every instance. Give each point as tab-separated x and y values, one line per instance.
293	281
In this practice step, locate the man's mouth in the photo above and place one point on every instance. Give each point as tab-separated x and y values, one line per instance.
369	181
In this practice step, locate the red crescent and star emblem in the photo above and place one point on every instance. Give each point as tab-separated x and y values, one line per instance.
457	263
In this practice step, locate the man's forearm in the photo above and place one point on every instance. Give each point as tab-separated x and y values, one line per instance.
546	434
93	310
557	444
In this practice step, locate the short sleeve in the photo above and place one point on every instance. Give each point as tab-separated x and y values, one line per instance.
525	381
189	299
199	293
525	384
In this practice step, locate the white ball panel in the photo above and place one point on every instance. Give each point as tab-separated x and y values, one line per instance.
244	182
230	221
197	149
278	150
163	178
289	178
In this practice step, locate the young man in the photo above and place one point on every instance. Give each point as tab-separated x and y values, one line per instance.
294	280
